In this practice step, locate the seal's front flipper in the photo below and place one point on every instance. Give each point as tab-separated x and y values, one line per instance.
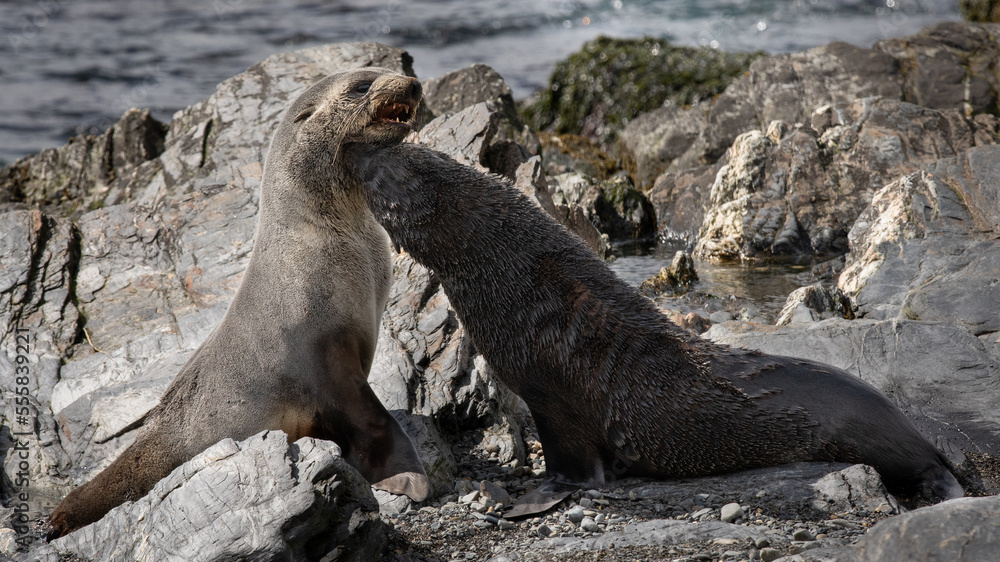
540	500
406	471
370	438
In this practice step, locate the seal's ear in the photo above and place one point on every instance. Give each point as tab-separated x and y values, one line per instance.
306	113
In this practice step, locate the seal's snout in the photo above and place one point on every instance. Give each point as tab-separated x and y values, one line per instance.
415	90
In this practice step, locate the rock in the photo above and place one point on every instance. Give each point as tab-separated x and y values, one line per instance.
597	90
952	530
573	153
681	200
987	11
262	498
494	492
803	535
813	303
613	206
590	526
575	514
922	250
653	140
769	554
948	66
466	87
730	512
677	278
799	193
91	171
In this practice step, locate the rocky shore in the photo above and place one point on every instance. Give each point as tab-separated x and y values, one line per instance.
119	253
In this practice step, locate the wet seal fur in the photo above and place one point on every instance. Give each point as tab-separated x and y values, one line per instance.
294	349
614	387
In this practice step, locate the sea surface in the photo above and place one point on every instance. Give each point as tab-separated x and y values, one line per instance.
74	66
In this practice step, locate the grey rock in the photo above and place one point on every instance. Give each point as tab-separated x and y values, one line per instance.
652	141
947	66
681	199
462	88
730	512
494	492
814	302
262	498
575	514
590	526
799	192
658	532
960	530
614	206
90	171
944	67
923	249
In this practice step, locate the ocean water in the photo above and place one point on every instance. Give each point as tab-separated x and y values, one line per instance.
74	66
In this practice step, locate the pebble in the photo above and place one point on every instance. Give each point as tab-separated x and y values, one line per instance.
594	494
731	512
762	542
600	518
590	525
845	523
483	524
803	535
544	531
769	554
586	502
494	492
505	525
701	513
575	514
470	497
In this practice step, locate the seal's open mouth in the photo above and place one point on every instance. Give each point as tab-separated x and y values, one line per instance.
393	112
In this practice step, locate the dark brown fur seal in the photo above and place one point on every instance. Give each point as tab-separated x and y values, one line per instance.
294	349
615	388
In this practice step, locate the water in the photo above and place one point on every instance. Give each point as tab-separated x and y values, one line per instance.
74	66
764	283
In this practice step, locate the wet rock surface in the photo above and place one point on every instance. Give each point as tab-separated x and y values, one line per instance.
121	253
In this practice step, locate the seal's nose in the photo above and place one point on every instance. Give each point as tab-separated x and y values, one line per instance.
415	90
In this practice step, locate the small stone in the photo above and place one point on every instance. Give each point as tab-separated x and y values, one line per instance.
492	518
590	525
505	525
731	512
769	554
702	513
600	518
575	514
483	524
586	502
762	542
470	497
544	531
594	494
494	492
803	535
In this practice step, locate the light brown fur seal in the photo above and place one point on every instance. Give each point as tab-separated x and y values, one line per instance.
294	349
614	387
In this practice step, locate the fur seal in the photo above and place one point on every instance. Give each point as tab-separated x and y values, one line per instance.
295	346
614	387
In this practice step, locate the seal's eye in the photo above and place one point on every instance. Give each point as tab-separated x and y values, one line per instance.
362	88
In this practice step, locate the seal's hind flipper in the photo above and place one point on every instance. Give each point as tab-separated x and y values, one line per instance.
540	500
